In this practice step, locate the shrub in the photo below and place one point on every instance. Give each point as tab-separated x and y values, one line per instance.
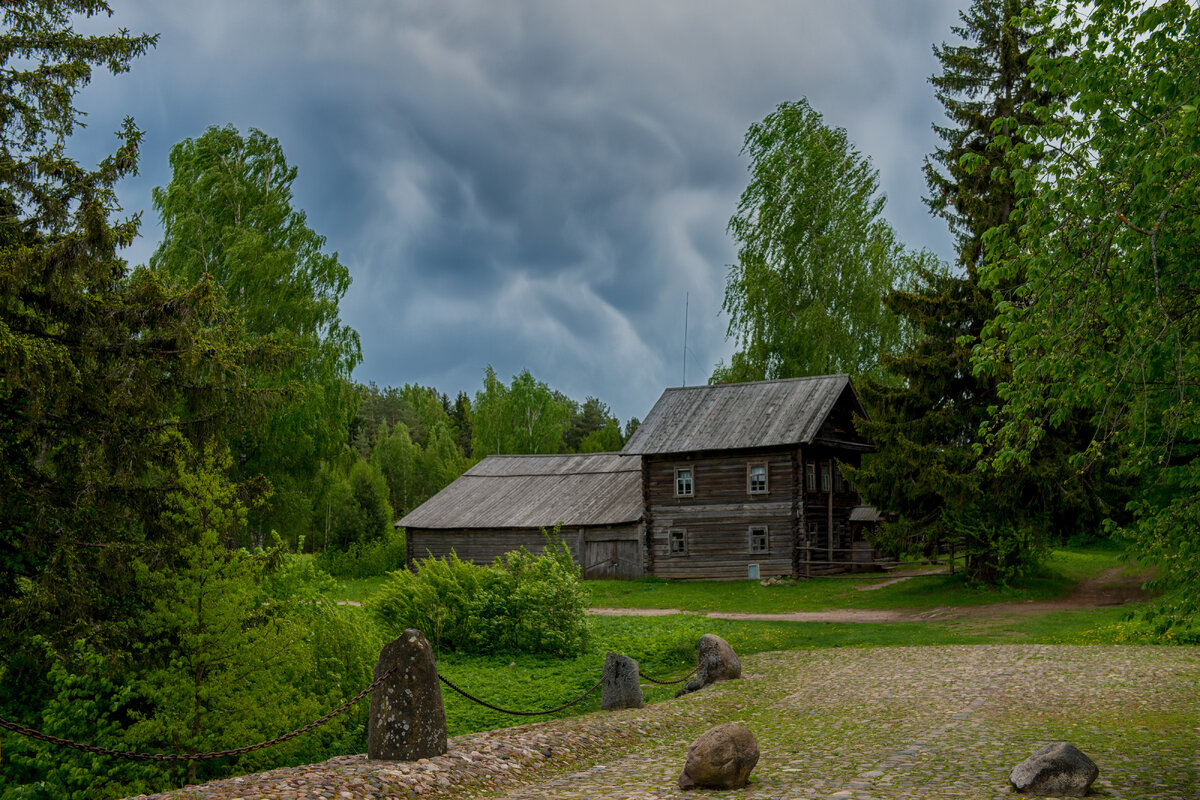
365	559
520	603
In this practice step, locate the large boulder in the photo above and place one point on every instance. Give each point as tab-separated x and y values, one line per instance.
718	662
721	758
408	718
1057	770
621	687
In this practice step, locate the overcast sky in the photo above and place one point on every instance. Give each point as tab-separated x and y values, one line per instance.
531	185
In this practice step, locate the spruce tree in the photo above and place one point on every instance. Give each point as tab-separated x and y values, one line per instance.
926	426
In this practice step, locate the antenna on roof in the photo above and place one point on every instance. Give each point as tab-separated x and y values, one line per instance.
686	299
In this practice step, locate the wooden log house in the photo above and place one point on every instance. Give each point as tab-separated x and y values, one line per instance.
728	481
743	479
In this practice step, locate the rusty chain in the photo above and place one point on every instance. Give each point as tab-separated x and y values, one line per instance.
486	704
30	733
668	683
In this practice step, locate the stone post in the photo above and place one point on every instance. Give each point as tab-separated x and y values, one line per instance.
717	662
408	718
621	688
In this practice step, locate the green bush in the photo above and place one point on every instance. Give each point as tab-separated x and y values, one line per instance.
521	603
365	559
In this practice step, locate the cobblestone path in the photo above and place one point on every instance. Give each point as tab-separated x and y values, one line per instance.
894	723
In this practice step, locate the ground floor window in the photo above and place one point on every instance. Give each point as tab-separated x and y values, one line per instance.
758	539
678	541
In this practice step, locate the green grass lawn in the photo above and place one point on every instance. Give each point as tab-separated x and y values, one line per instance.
665	647
357	590
1061	571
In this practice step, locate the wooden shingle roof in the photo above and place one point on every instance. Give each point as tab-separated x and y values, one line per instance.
734	416
537	491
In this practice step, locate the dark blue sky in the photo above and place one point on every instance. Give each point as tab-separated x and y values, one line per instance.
532	185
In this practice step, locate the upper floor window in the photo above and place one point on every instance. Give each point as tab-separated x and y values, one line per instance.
810	481
683	482
839	483
825	478
756	478
758	539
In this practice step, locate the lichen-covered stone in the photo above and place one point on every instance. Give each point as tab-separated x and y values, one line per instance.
620	688
717	662
1057	770
721	758
408	718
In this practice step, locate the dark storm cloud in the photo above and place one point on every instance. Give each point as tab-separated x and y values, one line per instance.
530	185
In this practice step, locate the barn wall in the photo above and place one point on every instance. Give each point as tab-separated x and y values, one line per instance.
482	546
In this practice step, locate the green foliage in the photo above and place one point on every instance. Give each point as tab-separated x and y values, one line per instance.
418	408
212	651
227	213
927	469
359	510
521	603
605	440
102	371
1104	321
815	256
89	702
526	417
593	429
365	559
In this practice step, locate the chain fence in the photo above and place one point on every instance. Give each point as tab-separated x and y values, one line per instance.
30	733
644	676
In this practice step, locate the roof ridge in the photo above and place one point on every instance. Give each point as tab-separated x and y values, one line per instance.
759	383
551	455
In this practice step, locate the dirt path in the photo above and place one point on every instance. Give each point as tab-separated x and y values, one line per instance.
1109	588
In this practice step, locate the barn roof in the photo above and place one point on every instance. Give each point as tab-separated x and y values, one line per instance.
537	491
733	416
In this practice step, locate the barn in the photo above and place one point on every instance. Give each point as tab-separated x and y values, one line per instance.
727	481
506	502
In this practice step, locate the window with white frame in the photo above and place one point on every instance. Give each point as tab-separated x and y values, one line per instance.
814	528
839	483
677	537
810	471
683	482
825	478
758	539
756	478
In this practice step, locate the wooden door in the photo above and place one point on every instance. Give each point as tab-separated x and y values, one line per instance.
612	558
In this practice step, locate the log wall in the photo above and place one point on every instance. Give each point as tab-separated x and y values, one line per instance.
718	516
482	545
